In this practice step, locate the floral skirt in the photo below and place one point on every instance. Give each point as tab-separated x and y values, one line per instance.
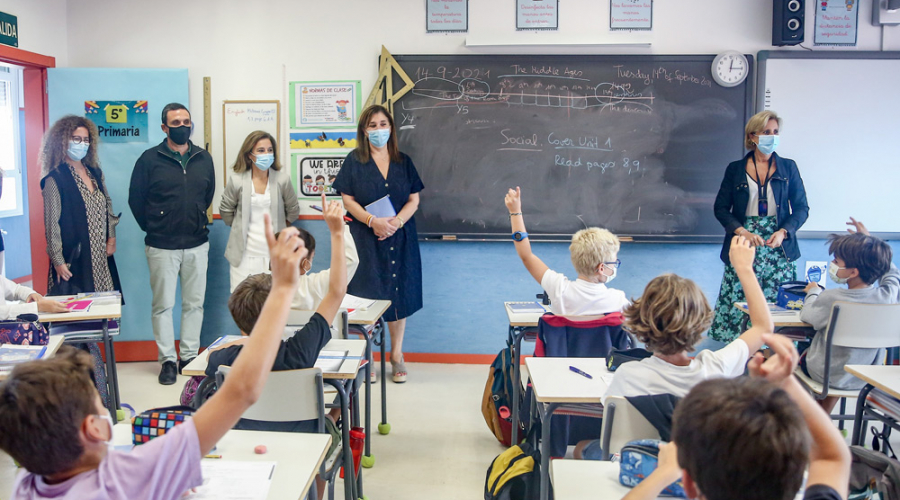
772	268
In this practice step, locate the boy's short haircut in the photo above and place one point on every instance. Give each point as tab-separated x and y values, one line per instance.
42	406
741	439
671	315
871	256
247	300
591	247
308	240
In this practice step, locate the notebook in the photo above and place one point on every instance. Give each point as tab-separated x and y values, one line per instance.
331	361
382	207
12	354
526	307
774	309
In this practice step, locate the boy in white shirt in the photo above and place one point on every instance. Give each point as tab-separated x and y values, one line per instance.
314	286
594	256
670	318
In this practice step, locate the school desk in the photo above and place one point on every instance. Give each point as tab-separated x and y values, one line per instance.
97	312
346	383
298	455
586	480
885	378
370	325
555	385
52	346
787	323
521	326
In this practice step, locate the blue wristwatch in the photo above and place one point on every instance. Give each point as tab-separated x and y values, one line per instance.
519	235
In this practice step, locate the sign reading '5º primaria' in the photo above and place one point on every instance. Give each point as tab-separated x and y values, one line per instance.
9	29
118	121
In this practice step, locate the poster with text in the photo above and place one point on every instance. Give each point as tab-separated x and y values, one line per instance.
446	16
314	175
630	14
836	22
325	139
537	15
118	121
324	104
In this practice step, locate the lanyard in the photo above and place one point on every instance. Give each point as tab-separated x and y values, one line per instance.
763	187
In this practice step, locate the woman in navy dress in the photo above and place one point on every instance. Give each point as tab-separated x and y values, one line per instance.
390	267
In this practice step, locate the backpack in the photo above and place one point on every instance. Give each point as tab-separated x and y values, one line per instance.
514	475
496	404
873	475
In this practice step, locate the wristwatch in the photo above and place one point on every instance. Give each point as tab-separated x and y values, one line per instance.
519	235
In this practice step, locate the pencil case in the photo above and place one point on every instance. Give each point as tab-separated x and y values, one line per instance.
638	459
616	357
157	422
791	294
24	330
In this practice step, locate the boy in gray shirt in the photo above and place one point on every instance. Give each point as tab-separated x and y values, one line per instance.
859	261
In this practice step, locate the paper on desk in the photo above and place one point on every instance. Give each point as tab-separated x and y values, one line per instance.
331	361
234	480
354	302
606	378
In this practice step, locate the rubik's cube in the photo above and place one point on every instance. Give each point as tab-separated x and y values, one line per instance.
152	424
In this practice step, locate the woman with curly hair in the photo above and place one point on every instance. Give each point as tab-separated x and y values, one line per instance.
78	217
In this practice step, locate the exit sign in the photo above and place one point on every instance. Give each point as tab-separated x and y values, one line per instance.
9	29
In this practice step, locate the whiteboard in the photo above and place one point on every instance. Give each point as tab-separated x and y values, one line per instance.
239	119
841	124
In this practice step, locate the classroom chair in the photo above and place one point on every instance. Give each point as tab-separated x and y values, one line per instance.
577	337
306	402
853	324
622	422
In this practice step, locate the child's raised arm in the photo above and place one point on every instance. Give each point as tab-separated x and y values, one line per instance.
337	278
535	266
741	256
248	375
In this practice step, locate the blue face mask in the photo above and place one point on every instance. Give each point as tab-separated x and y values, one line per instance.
767	144
77	151
263	162
379	138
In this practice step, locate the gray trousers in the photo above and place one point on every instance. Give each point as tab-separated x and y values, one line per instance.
166	266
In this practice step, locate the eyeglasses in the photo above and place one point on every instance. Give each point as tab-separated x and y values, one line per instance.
79	140
614	265
764	133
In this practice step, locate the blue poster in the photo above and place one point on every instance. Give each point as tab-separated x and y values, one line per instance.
118	121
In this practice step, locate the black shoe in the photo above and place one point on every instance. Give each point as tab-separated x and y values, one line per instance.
183	363
168	373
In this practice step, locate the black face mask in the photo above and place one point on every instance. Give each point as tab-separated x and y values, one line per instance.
180	135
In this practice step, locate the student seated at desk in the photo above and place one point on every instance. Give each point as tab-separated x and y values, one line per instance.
55	425
751	438
670	318
594	254
31	301
859	261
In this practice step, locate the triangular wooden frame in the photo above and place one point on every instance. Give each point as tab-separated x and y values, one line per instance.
383	92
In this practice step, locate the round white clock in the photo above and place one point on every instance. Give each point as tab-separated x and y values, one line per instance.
730	68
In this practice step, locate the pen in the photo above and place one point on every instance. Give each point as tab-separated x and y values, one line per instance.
317	207
212	456
576	370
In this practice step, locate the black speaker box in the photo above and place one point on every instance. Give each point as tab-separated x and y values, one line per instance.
788	25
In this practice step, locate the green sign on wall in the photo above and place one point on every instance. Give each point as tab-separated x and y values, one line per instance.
9	29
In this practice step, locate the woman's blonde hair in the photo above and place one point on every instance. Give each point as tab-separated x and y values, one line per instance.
362	136
671	315
56	142
243	161
591	247
756	124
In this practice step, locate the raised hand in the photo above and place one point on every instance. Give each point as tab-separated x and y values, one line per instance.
859	226
285	254
333	214
513	200
780	366
741	253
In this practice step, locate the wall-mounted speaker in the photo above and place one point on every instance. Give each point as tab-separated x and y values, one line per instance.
787	22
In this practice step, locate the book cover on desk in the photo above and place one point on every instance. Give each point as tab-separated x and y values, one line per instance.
11	354
382	207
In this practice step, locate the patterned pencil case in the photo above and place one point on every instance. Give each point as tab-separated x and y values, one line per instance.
157	422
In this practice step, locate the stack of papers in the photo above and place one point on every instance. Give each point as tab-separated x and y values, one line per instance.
102	298
885	402
233	480
354	302
83	330
526	307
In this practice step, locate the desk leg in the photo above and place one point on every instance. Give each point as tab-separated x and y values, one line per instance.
368	460
356	421
859	424
111	376
349	470
546	415
384	427
516	334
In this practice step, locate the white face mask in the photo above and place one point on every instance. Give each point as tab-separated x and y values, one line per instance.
109	444
832	273
610	277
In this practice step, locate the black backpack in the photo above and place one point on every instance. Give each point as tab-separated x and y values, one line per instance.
514	475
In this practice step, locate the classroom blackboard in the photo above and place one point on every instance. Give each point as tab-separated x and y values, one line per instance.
636	144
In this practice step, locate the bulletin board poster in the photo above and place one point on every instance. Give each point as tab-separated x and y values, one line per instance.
326	139
118	121
632	15
836	22
324	104
446	16
537	15
314	175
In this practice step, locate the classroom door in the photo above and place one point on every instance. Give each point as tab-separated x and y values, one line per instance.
125	104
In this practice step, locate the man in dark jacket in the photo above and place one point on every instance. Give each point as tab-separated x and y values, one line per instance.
172	185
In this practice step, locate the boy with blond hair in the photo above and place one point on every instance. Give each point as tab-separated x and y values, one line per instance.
594	254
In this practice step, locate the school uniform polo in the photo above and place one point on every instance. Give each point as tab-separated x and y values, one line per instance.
580	297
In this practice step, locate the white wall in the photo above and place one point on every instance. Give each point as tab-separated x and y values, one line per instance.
251	52
42	26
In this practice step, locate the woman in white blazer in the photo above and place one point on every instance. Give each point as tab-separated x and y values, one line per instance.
257	186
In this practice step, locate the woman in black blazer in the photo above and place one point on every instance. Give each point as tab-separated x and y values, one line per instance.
762	199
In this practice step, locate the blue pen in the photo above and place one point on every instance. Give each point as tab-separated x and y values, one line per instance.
576	370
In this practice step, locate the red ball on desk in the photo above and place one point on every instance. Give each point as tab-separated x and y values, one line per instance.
260	450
